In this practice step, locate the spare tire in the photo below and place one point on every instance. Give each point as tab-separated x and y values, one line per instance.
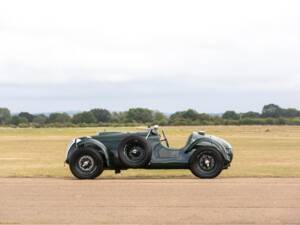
134	152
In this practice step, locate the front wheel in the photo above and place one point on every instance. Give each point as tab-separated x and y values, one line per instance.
86	163
207	163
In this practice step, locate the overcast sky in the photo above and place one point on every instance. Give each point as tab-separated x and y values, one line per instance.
167	55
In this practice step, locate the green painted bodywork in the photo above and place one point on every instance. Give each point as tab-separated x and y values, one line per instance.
107	144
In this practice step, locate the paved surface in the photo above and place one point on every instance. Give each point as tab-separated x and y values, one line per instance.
174	201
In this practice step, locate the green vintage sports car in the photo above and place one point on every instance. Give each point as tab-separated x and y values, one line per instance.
205	155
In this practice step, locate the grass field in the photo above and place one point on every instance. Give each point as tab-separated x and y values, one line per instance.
259	151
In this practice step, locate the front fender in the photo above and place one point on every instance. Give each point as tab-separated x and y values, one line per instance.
89	142
207	142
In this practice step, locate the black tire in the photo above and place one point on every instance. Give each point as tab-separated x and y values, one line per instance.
134	152
206	163
86	163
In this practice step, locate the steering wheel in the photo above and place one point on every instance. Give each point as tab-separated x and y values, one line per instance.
165	139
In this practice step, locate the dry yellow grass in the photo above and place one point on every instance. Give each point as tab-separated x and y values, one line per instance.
259	151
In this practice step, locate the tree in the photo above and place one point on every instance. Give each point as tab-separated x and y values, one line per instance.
84	117
101	115
118	117
59	118
26	115
40	119
140	115
250	114
189	117
190	114
160	118
230	115
290	112
204	117
271	110
16	120
5	116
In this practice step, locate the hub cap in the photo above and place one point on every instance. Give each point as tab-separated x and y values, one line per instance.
86	163
134	152
206	162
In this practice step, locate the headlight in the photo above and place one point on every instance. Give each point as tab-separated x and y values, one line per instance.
77	140
70	145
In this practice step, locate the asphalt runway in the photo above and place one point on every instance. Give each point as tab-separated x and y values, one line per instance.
150	201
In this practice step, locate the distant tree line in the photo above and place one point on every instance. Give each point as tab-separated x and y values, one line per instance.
271	115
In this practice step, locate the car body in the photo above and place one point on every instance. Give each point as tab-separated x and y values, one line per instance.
116	156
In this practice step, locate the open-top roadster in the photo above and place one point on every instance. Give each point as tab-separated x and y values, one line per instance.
206	156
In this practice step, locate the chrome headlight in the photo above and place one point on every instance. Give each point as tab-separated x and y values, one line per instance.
74	141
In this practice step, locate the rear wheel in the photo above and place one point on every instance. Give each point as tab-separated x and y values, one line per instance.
86	163
206	163
134	152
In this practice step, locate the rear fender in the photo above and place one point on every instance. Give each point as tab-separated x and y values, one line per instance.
205	143
200	142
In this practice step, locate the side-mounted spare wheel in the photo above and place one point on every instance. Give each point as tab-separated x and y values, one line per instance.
134	152
206	163
86	163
